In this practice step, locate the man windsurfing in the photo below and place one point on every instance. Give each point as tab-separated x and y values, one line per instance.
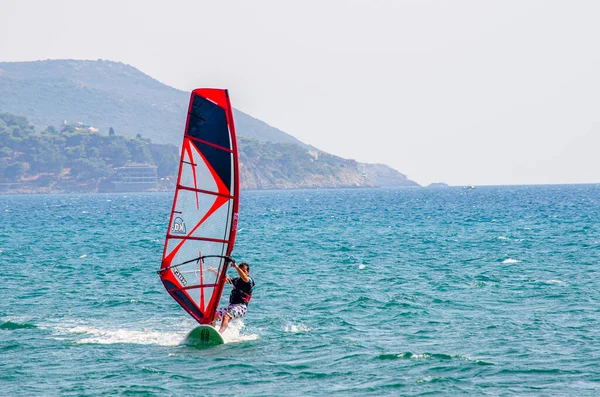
239	297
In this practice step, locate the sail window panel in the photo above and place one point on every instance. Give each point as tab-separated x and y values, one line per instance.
208	122
194	273
190	209
190	249
187	176
217	224
201	215
189	274
208	277
195	173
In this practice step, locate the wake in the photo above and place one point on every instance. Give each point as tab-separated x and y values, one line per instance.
85	334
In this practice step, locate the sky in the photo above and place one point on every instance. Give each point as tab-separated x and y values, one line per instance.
462	92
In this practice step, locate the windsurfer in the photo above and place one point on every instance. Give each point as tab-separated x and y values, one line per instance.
239	297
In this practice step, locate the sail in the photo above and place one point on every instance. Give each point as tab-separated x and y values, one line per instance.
203	220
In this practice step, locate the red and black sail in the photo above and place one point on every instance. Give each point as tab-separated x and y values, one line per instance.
203	221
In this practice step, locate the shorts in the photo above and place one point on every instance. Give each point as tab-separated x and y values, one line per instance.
235	310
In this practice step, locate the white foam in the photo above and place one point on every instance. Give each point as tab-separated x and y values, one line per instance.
503	238
554	282
361	266
510	260
123	336
87	334
296	328
233	333
83	256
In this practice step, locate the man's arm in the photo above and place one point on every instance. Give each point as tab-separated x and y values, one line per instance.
242	274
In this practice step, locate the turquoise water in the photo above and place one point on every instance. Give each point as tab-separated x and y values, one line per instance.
489	291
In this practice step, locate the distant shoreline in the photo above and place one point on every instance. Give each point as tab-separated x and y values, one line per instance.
30	192
43	192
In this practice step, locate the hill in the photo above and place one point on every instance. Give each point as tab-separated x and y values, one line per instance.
106	95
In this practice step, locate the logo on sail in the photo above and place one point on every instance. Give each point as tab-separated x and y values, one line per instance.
178	226
182	279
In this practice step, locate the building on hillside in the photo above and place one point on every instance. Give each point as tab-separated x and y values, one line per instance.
79	126
132	177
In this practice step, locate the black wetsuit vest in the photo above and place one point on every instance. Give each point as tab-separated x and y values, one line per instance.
241	292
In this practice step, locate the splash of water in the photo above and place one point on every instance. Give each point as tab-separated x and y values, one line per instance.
233	333
296	328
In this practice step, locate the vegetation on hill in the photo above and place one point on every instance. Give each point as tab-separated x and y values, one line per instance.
73	151
284	165
81	153
76	157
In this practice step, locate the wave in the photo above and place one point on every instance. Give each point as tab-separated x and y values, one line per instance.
510	260
296	328
430	356
9	325
553	281
549	371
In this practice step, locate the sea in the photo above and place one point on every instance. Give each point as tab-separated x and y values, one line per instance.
485	291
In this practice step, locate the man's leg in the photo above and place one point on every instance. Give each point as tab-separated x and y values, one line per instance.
217	317
225	322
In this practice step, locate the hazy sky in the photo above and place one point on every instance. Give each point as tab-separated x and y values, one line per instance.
464	92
